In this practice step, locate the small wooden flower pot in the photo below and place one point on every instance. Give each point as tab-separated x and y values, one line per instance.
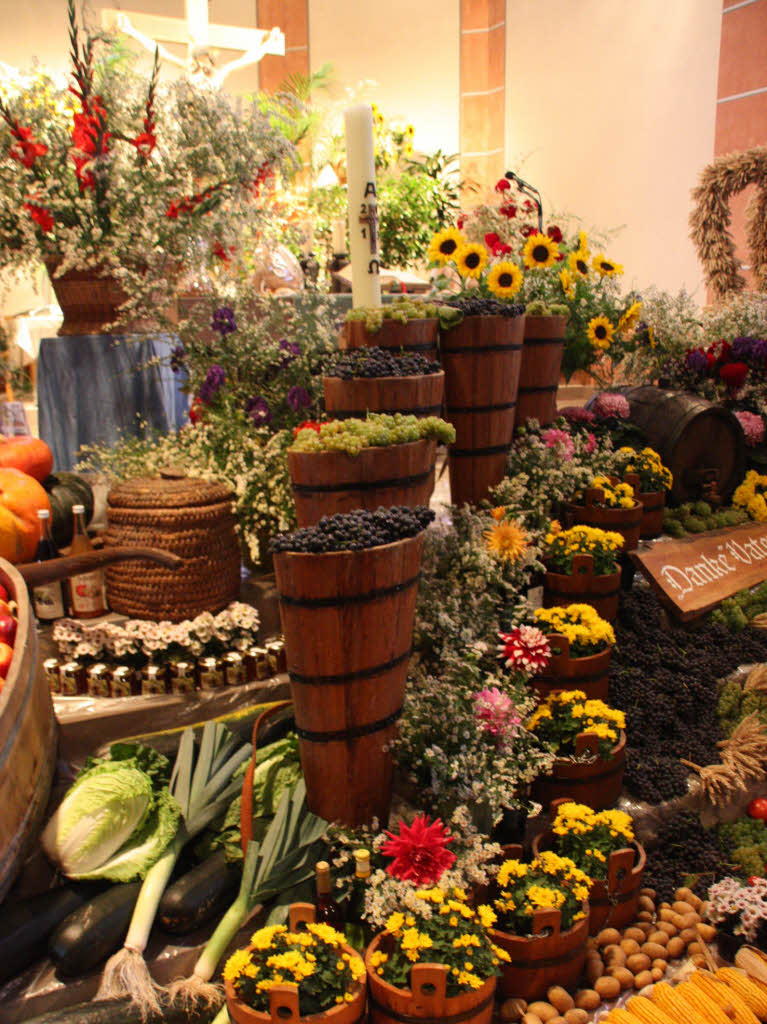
283	999
584	776
425	1000
419	396
547	957
614	901
625	521
653	506
564	672
582	586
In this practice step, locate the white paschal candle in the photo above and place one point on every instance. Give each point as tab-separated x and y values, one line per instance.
363	206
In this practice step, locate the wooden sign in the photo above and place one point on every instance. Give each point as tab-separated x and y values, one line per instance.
693	574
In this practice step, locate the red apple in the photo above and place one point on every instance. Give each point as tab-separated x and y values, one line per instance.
6	654
3	593
7	629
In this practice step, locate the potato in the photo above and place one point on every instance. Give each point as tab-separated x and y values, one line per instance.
543	1010
667	914
638	962
645	903
560	998
558	1020
688	935
642	979
531	1018
648	892
657	973
645	915
707	932
594	969
645	927
659	938
704	908
680	907
688	896
614	956
675	947
587	999
607	988
629	946
698	960
637	934
689	920
660	964
668	928
609	937
513	1009
654	950
577	1017
624	976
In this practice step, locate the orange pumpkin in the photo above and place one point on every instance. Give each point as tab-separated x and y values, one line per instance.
29	454
20	498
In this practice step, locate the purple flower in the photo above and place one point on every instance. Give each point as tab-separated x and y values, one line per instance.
298	398
223	321
213	382
289	350
258	410
696	361
177	358
744	348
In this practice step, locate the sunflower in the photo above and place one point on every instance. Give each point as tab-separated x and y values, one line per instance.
507	540
444	246
540	252
471	259
630	318
605	267
583	244
504	279
578	263
600	332
568	284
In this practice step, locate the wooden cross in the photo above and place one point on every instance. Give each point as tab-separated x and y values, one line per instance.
369	217
199	36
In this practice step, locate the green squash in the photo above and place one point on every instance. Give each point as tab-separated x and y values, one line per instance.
66	490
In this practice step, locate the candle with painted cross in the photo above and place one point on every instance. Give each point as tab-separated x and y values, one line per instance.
363	206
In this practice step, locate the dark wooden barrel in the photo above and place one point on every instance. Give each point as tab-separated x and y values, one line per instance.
481	358
701	443
414	336
425	1000
583	587
347	618
419	396
540	369
585	778
563	672
28	737
545	958
325	483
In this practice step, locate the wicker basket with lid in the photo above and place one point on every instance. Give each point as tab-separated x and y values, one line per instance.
191	518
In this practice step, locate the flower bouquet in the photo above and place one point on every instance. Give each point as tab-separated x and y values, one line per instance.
587	739
435	960
609	505
740	912
602	844
543	916
304	973
645	472
581	566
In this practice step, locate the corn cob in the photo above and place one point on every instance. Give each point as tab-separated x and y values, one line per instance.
619	1016
707	1007
648	1012
750	992
725	995
675	1005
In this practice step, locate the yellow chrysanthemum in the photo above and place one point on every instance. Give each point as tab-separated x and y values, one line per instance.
605	267
507	540
445	245
236	964
504	279
568	283
471	259
578	263
540	252
600	332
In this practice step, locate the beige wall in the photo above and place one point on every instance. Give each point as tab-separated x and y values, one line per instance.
611	107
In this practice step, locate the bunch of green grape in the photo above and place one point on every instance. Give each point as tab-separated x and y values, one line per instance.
378	430
401	309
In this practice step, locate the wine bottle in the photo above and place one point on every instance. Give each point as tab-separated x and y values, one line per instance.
87	589
327	909
48	599
355	927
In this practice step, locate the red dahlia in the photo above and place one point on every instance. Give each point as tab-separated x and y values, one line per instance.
420	851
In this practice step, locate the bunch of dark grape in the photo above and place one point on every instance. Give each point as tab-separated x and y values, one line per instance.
471	305
664	677
356	531
378	362
685	851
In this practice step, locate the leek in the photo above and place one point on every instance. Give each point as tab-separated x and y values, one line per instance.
284	859
203	786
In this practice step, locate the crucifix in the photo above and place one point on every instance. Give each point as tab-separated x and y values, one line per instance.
369	217
200	37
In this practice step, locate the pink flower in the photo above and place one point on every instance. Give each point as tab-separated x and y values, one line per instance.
525	648
607	404
420	851
753	427
560	439
591	443
495	713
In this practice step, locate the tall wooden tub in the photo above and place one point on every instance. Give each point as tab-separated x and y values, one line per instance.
28	735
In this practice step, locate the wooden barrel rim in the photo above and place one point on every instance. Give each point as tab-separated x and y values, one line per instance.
470	409
529	389
364	485
453	1018
411	410
414	378
551	961
350	677
334	602
354	732
495	450
614	765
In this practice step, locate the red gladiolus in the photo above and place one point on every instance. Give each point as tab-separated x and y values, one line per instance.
503	185
40	215
508	210
172	211
733	374
144	143
554	233
27	150
420	851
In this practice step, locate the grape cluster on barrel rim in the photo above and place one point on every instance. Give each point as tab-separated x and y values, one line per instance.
401	309
379	429
379	362
479	305
356	530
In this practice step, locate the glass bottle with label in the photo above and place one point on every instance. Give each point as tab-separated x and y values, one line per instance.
356	933
48	599
326	908
86	591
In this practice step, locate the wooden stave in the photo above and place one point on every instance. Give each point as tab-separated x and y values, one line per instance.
539	377
420	395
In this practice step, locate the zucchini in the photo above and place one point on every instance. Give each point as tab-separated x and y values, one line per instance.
200	895
26	925
94	931
120	1011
